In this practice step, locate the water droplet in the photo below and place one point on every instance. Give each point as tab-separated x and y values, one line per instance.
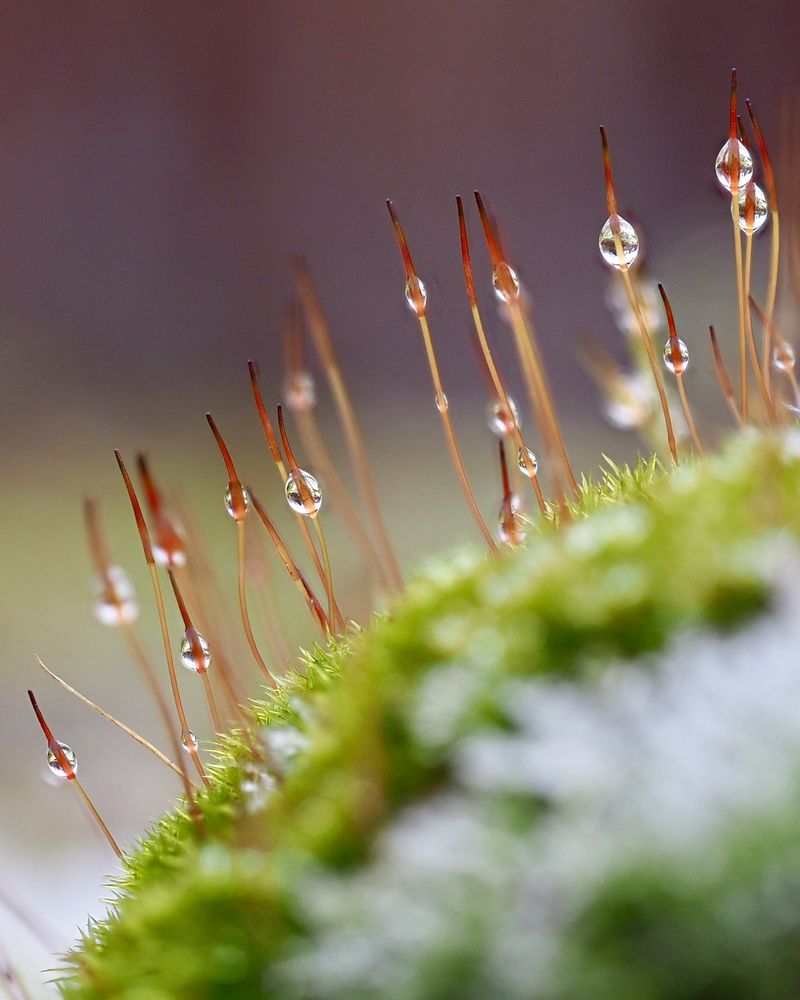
752	195
300	392
295	498
629	243
416	296
55	766
237	501
783	357
521	464
169	548
669	361
505	282
195	654
733	152
188	740
510	527
440	402
629	401
502	419
115	602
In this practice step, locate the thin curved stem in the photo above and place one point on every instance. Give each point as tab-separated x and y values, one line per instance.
248	629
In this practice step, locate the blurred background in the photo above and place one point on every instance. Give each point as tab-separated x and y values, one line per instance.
159	165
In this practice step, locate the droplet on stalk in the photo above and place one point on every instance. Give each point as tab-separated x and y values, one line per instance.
237	501
628	239
55	761
734	156
195	652
502	419
115	603
753	208
676	356
294	493
416	295
783	357
532	462
505	282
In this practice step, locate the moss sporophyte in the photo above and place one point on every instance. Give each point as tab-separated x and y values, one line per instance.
561	765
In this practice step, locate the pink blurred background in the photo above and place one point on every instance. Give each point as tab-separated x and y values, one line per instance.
159	164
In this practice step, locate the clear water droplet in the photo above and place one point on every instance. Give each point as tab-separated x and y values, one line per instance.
523	467
440	402
733	151
115	599
169	547
669	361
416	295
753	195
188	740
294	496
300	392
510	526
195	654
629	401
505	282
55	766
502	419
629	243
237	501
783	357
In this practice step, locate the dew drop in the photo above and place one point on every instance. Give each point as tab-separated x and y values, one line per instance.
237	501
629	243
55	766
440	402
195	654
169	548
115	602
683	364
783	357
523	466
188	740
502	419
505	282
760	208
295	498
510	527
416	295
733	152
300	392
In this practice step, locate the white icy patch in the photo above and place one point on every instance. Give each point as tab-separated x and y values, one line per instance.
657	758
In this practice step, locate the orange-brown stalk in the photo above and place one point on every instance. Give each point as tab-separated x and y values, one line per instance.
724	377
507	286
782	352
170	550
69	773
260	576
280	466
292	568
323	341
678	367
486	352
737	246
136	737
511	532
198	654
102	564
633	299
147	547
311	511
416	299
300	398
238	510
774	264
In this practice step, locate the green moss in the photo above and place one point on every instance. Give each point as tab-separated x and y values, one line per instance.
644	555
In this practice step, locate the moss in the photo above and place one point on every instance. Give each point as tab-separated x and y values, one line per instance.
640	557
